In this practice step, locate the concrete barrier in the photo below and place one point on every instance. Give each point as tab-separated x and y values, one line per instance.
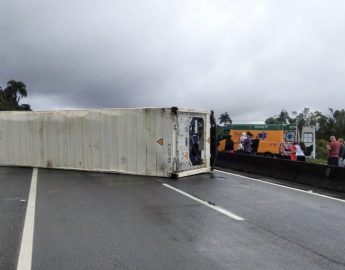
316	175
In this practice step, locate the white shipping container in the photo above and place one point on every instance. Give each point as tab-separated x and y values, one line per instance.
144	141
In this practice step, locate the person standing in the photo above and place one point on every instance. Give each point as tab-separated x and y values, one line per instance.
341	161
293	152
240	146
299	152
333	151
247	144
229	144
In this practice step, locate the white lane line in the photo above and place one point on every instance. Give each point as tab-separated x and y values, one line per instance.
291	188
25	253
217	208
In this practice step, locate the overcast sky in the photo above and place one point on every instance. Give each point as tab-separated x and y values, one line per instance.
249	58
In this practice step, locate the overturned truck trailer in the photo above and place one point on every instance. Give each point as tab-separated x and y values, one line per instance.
169	142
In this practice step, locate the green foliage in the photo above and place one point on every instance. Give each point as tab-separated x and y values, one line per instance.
317	161
327	125
272	120
321	150
332	124
11	95
282	118
225	119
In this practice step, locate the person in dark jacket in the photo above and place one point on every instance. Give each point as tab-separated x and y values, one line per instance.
229	144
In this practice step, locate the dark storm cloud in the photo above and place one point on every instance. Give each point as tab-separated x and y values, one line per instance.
250	58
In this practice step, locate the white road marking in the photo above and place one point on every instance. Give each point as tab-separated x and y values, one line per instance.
217	208
25	253
291	188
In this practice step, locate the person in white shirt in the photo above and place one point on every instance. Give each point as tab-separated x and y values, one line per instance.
299	152
243	137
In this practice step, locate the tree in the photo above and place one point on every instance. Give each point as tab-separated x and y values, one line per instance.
11	95
309	118
272	120
306	118
14	91
225	119
282	118
339	127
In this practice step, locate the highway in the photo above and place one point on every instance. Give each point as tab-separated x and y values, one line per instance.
81	220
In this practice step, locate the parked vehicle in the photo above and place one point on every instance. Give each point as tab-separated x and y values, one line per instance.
271	139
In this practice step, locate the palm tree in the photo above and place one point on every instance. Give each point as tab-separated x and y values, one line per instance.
225	118
14	91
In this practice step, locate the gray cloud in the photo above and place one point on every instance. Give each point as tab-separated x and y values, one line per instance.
250	58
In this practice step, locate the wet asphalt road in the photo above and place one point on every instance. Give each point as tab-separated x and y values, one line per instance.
14	190
108	221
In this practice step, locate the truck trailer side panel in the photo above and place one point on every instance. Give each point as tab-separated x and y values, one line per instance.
145	141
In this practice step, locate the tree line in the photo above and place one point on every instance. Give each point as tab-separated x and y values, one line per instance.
11	95
332	123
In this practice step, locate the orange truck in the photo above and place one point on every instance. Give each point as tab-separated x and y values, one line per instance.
272	139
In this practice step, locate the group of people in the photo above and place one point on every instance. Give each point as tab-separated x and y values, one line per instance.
245	145
336	152
296	152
